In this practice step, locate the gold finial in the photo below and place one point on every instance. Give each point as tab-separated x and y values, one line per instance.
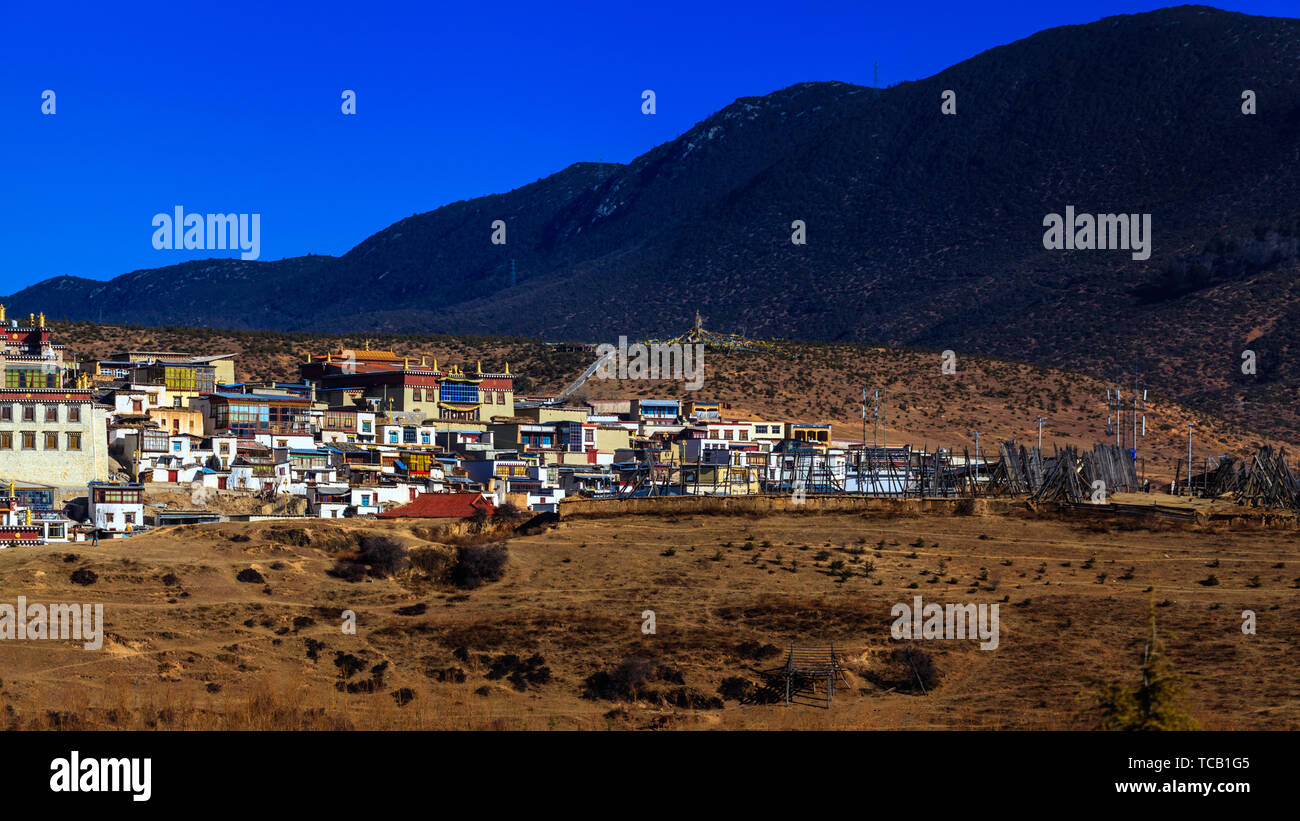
406	363
27	514
479	368
424	361
308	357
507	367
367	344
2	313
31	320
11	488
435	363
41	320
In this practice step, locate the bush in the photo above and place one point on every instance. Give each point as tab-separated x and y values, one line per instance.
384	555
477	564
348	571
510	510
907	669
250	576
520	672
735	688
436	562
627	682
83	576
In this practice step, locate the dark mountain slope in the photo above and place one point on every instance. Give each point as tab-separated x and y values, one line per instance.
922	229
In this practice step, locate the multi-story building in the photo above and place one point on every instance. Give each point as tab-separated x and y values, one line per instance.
273	420
51	430
187	371
116	507
344	425
382	381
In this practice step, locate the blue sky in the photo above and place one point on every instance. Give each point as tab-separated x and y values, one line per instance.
234	107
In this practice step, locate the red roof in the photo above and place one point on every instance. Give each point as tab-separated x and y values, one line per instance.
441	506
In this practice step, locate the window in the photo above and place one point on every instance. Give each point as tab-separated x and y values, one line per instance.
137	405
129	518
417	395
74	441
6	441
51	413
29	440
392	437
459	392
29	413
176	447
56	532
74	413
30	378
365	426
110	517
7	413
176	401
51	441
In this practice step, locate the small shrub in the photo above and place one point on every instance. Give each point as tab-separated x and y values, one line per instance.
477	564
83	576
383	554
250	576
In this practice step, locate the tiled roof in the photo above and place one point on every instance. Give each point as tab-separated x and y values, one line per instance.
441	506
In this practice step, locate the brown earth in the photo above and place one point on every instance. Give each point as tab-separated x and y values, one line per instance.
203	650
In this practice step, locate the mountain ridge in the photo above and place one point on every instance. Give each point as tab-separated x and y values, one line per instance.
922	229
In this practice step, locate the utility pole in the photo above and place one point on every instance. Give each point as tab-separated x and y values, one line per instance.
976	434
864	419
1139	403
1113	399
1190	425
884	418
1039	421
